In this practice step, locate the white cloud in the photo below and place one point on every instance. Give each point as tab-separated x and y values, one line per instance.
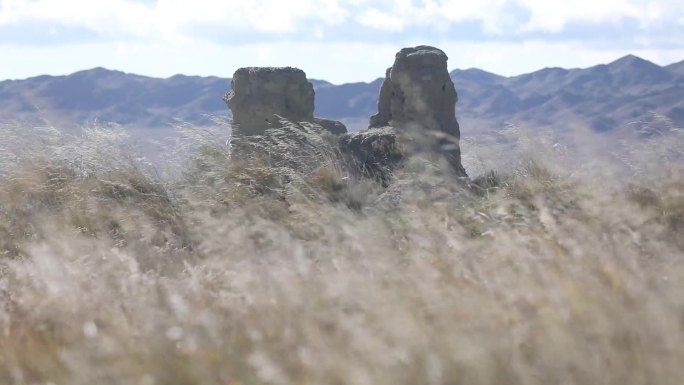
377	19
554	15
165	19
396	15
162	37
112	15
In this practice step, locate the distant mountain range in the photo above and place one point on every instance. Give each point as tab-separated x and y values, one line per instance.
603	98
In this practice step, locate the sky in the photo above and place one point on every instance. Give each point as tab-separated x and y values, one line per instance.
336	40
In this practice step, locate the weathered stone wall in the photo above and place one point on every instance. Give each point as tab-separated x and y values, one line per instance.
261	96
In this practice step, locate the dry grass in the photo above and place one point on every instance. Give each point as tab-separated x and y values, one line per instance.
292	269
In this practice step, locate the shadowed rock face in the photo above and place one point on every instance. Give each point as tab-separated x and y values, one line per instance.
261	96
375	151
418	98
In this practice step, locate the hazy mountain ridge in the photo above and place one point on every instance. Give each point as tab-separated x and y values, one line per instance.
113	96
602	97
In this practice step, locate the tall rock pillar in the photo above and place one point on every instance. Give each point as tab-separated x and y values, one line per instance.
418	99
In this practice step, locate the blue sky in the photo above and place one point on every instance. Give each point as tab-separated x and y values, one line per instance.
336	40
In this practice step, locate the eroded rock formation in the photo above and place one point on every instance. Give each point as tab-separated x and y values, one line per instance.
261	96
418	100
375	151
416	111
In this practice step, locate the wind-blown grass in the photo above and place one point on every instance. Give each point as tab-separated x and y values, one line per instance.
286	266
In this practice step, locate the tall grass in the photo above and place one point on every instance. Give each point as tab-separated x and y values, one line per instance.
283	265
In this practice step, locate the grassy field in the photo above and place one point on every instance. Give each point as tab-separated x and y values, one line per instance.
294	269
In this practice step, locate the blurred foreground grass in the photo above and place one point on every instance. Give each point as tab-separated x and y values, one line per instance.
293	269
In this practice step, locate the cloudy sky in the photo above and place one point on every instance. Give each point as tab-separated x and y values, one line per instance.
337	40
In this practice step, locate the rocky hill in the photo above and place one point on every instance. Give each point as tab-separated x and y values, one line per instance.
603	98
112	96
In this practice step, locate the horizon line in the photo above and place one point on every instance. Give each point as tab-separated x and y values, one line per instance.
338	84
